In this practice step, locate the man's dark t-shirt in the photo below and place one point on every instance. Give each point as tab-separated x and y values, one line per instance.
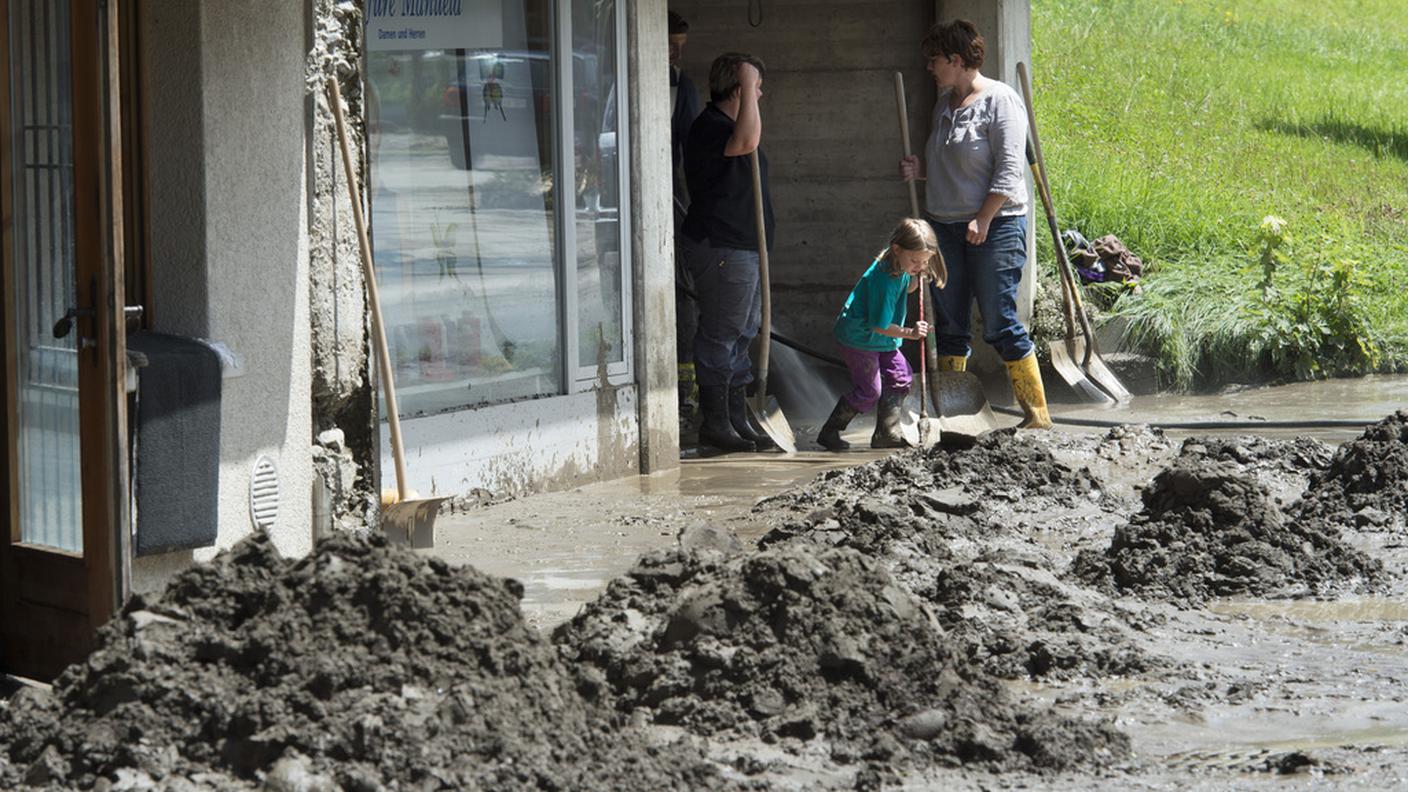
721	188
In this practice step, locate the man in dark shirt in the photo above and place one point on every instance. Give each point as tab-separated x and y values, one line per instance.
720	241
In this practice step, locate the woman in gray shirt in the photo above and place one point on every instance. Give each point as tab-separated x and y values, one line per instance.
977	200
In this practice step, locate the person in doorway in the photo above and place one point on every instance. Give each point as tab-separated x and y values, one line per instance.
977	199
720	244
870	330
685	107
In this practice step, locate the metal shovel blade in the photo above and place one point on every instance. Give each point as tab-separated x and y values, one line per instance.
411	522
1065	358
962	407
1099	372
774	424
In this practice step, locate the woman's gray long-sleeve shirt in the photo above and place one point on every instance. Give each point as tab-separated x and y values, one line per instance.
974	151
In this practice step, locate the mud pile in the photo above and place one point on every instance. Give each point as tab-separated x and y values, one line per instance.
1207	529
362	665
948	527
1365	485
1015	619
803	641
1283	466
1253	452
930	496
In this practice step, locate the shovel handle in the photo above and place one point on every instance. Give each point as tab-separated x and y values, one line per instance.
923	360
765	331
901	104
903	107
383	355
1044	188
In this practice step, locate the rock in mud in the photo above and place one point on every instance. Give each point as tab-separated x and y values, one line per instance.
804	641
1207	530
362	665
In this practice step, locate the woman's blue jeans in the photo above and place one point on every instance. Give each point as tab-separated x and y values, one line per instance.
988	273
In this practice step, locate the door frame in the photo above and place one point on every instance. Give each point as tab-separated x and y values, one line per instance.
51	601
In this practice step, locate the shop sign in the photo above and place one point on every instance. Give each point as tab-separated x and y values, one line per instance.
434	24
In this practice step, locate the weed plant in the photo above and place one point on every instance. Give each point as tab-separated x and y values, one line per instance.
1180	125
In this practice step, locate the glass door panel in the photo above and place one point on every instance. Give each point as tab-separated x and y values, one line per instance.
600	318
45	369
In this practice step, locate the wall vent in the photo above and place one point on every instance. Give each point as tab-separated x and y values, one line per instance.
264	494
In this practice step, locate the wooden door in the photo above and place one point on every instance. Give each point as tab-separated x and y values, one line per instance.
64	527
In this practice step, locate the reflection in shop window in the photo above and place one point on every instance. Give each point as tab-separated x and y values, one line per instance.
598	257
462	207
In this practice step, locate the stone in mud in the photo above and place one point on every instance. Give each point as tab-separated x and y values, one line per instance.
706	537
362	664
803	641
1207	530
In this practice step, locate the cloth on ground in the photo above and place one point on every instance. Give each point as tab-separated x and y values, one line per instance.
1105	259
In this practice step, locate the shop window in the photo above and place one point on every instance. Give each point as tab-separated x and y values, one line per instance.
496	284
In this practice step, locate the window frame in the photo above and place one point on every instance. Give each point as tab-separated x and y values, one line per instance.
577	375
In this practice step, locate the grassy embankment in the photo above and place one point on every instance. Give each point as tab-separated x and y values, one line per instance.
1179	125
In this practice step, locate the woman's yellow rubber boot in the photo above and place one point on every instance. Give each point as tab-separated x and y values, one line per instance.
1026	386
952	363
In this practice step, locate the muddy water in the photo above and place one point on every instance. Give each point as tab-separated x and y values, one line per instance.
1367	398
566	546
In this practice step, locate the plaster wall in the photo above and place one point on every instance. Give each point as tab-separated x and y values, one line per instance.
520	447
831	128
230	244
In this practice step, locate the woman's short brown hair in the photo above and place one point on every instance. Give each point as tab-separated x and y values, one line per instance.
957	37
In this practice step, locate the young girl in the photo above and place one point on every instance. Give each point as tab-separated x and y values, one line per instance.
871	328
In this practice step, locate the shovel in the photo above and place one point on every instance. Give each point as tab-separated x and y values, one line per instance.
1077	359
958	396
408	521
764	408
928	432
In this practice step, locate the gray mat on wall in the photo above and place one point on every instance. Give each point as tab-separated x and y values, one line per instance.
178	443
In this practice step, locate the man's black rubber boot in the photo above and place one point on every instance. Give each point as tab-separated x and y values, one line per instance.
887	422
830	435
717	431
738	417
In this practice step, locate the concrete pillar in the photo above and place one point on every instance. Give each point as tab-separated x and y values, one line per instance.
652	233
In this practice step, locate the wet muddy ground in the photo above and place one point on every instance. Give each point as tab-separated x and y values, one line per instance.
1118	609
1299	686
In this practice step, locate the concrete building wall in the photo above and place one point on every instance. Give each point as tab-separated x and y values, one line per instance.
230	245
831	129
652	228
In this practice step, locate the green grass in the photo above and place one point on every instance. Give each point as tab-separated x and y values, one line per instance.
1178	125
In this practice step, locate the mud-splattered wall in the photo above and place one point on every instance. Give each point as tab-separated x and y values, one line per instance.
344	420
